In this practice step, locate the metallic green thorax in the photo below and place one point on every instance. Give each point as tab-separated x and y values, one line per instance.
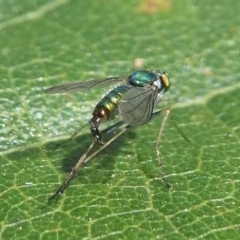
141	78
107	108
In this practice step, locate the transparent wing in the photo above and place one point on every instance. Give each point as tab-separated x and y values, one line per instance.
136	106
82	86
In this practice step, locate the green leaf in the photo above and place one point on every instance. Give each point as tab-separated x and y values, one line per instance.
119	194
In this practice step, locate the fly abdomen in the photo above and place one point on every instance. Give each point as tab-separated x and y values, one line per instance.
107	108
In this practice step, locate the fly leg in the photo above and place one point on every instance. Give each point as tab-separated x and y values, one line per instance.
85	158
167	114
94	125
110	140
72	174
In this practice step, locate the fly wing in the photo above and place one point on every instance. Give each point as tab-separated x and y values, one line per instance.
83	86
136	106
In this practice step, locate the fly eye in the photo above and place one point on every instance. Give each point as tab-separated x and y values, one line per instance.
165	81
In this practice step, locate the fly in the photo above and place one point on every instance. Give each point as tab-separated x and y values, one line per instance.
133	99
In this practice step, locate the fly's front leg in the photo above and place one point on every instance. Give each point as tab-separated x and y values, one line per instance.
166	113
94	125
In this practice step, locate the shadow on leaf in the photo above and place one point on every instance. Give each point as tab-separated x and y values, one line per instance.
75	148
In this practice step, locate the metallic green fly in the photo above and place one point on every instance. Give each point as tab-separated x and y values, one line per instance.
133	99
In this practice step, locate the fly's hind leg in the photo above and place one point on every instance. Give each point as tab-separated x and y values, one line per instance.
86	157
72	174
94	125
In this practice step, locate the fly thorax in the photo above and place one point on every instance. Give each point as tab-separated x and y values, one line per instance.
142	78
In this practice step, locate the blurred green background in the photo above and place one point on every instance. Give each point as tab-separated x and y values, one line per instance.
119	194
